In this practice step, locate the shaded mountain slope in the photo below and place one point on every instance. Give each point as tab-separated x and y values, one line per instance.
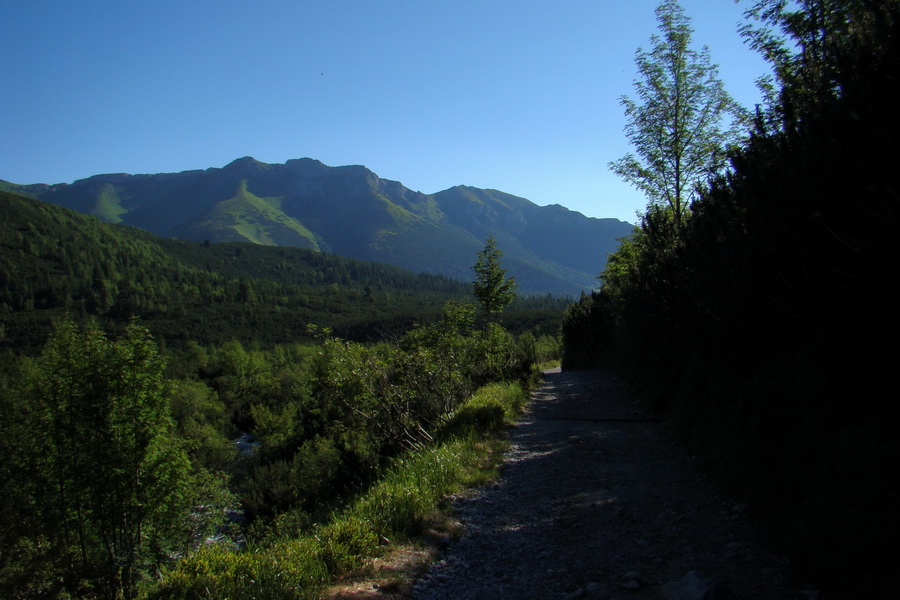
54	261
352	212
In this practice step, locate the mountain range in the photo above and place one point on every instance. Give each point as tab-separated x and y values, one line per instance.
352	212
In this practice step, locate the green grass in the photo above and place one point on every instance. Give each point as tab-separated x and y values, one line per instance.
396	508
258	220
109	205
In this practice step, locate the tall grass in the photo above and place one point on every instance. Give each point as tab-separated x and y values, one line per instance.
397	507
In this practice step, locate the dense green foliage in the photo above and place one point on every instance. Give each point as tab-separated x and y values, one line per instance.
763	322
349	211
224	416
683	120
133	473
352	405
494	291
55	262
97	487
112	470
399	505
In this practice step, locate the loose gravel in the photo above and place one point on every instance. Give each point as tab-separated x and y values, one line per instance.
596	500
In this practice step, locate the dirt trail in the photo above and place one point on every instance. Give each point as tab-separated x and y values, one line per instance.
597	501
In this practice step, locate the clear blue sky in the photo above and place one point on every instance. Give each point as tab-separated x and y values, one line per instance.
515	95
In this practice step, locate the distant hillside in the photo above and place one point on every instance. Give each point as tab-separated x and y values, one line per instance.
54	261
352	212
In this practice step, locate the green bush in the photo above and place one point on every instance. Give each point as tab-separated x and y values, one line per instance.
491	408
399	505
294	573
755	320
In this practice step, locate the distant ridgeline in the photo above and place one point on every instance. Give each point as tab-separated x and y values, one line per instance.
54	261
350	211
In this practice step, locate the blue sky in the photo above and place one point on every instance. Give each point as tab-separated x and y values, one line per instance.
515	95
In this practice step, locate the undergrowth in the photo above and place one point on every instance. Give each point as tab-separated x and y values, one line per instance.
396	508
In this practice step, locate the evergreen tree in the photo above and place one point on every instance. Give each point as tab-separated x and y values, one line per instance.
493	290
676	123
765	320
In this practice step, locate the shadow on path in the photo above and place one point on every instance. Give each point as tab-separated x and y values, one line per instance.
595	500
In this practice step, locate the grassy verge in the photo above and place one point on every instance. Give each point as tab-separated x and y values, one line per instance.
397	508
549	364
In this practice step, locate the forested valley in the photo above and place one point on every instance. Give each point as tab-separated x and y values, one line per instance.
54	261
761	316
187	420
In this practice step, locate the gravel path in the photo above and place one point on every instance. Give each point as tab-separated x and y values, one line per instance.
596	501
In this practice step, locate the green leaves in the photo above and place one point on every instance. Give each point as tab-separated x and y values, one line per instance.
683	121
112	486
758	320
493	290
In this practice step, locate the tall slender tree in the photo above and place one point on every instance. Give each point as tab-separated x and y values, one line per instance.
493	289
682	121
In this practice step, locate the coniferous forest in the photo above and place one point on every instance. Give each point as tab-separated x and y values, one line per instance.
56	262
225	420
763	320
176	416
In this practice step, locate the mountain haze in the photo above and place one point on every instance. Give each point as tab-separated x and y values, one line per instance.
352	212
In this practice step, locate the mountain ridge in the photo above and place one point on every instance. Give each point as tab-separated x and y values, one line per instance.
351	211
